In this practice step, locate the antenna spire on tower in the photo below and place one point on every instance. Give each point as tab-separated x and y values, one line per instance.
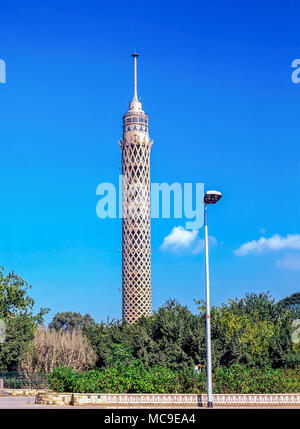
135	97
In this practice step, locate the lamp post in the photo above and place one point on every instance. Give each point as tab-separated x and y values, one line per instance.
210	197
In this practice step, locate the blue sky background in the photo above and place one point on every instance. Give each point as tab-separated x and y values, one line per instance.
215	79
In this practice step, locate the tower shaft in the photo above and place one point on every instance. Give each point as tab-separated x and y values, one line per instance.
136	228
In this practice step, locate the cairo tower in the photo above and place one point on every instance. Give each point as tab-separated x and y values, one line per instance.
136	234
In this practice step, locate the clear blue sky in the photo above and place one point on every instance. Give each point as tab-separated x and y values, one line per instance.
215	79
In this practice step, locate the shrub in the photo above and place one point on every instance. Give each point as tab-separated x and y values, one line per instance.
135	378
241	379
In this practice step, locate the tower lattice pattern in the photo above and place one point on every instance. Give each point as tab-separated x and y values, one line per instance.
136	234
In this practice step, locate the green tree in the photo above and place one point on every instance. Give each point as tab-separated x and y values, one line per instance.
253	330
68	321
292	301
179	336
172	337
16	309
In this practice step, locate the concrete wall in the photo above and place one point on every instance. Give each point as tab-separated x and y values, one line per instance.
157	400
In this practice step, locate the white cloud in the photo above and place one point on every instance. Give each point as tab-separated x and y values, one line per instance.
289	262
276	242
183	240
179	238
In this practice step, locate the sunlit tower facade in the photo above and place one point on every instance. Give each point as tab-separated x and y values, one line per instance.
136	229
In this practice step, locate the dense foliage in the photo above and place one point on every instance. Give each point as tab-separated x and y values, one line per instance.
135	378
16	310
253	331
255	345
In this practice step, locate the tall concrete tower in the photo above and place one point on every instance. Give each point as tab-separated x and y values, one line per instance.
136	234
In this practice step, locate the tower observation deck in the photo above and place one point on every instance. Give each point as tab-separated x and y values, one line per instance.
136	233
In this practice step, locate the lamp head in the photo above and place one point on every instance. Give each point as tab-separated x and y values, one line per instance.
212	197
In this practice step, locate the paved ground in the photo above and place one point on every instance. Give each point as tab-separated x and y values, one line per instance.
13	402
27	402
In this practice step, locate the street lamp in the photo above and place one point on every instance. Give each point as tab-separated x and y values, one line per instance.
210	197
